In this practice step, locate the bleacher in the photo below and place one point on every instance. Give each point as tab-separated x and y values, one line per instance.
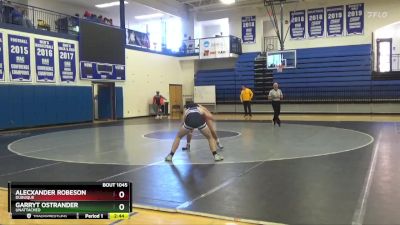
329	74
335	74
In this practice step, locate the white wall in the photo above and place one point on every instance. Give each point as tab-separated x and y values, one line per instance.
212	30
235	23
33	60
146	73
25	2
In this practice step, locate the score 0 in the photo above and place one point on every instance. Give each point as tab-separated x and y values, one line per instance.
121	194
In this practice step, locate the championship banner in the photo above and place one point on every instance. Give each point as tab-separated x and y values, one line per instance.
44	55
316	22
335	21
137	38
355	19
207	48
1	58
249	29
19	58
298	24
66	59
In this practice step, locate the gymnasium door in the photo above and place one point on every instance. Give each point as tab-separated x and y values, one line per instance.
384	54
175	100
104	101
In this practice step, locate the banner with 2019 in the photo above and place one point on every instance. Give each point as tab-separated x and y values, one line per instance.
335	20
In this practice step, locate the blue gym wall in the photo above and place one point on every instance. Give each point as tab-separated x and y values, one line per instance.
36	105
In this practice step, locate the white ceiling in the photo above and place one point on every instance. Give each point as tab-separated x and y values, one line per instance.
204	5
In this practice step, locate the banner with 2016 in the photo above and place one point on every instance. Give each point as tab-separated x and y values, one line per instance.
19	63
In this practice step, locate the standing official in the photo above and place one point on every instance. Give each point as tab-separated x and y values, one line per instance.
276	96
245	97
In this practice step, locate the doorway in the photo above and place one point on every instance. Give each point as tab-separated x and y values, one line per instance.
175	100
104	101
384	54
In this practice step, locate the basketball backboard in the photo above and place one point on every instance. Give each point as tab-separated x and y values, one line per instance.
287	59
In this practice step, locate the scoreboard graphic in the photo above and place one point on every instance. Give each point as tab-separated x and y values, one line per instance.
88	200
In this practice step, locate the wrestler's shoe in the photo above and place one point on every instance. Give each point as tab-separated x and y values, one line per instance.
218	157
168	158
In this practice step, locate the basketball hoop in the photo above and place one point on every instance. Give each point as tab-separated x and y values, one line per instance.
280	68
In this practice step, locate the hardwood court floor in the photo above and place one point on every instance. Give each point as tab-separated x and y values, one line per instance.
141	216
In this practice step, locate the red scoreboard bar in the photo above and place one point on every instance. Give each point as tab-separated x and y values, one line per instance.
66	200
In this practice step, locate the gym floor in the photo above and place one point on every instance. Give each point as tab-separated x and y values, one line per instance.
312	170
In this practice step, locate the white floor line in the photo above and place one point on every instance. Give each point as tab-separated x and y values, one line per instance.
229	181
30	169
131	170
358	217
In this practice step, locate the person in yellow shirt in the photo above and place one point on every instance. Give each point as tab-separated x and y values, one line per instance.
245	97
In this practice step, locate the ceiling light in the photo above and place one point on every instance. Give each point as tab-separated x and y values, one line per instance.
110	4
149	16
227	2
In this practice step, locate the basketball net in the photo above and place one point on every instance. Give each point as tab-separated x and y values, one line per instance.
280	68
